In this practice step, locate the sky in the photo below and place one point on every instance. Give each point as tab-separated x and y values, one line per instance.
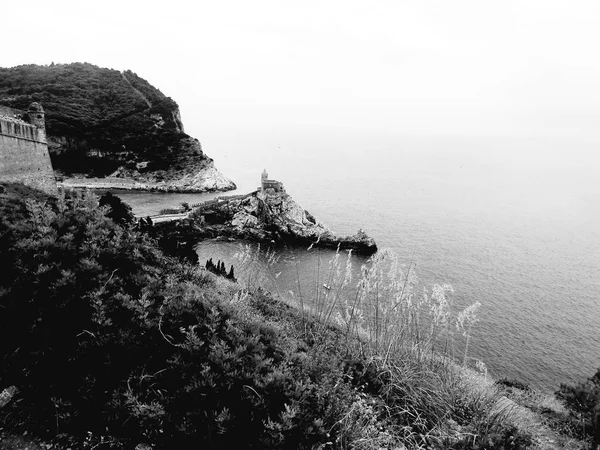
432	67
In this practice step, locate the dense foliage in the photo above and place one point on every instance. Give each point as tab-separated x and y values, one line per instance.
96	118
583	399
103	334
119	211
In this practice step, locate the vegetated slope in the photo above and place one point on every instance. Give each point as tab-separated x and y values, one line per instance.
109	343
99	120
103	334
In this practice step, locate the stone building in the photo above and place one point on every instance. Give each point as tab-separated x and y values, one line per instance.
24	153
270	186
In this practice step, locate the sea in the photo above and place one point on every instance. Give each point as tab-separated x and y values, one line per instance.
510	222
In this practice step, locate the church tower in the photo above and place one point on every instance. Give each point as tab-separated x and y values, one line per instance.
264	177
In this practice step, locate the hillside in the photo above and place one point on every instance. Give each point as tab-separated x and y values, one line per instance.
103	122
106	342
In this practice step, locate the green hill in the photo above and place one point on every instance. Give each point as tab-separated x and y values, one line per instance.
99	120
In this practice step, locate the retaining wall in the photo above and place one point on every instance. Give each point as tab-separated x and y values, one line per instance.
26	161
24	156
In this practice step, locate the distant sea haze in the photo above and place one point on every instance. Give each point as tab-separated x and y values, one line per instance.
513	223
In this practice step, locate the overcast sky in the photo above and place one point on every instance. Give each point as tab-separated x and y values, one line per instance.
424	66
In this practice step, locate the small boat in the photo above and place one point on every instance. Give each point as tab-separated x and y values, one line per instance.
326	286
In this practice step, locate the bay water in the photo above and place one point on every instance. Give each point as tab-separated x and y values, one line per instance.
511	222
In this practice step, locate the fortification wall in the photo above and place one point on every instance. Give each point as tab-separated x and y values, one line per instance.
10	112
26	161
21	129
24	156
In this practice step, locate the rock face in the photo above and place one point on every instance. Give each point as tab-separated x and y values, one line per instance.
191	171
106	123
266	217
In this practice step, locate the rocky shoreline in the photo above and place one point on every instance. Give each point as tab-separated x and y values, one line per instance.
204	179
263	217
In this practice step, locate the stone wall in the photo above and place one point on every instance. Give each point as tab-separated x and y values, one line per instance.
24	156
18	128
6	111
27	162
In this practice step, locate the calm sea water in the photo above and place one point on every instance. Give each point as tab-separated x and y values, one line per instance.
511	222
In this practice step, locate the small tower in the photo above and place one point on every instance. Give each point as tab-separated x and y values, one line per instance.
264	177
37	117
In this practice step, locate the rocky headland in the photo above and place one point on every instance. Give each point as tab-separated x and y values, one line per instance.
110	129
264	217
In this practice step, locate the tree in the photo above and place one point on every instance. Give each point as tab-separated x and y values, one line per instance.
231	275
119	211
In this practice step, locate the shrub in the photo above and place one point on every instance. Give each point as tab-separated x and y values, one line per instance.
514	384
103	334
119	211
502	438
583	397
583	400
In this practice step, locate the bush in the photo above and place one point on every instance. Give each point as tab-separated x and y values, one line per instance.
583	397
583	400
502	438
103	334
119	211
514	384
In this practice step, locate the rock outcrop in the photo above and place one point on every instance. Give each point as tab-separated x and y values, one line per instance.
278	218
191	171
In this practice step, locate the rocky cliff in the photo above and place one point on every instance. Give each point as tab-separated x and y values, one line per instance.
112	126
278	217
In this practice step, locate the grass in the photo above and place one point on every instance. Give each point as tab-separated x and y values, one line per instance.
416	394
382	308
547	415
420	387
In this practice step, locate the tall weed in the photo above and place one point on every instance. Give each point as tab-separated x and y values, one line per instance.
254	267
414	393
384	307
